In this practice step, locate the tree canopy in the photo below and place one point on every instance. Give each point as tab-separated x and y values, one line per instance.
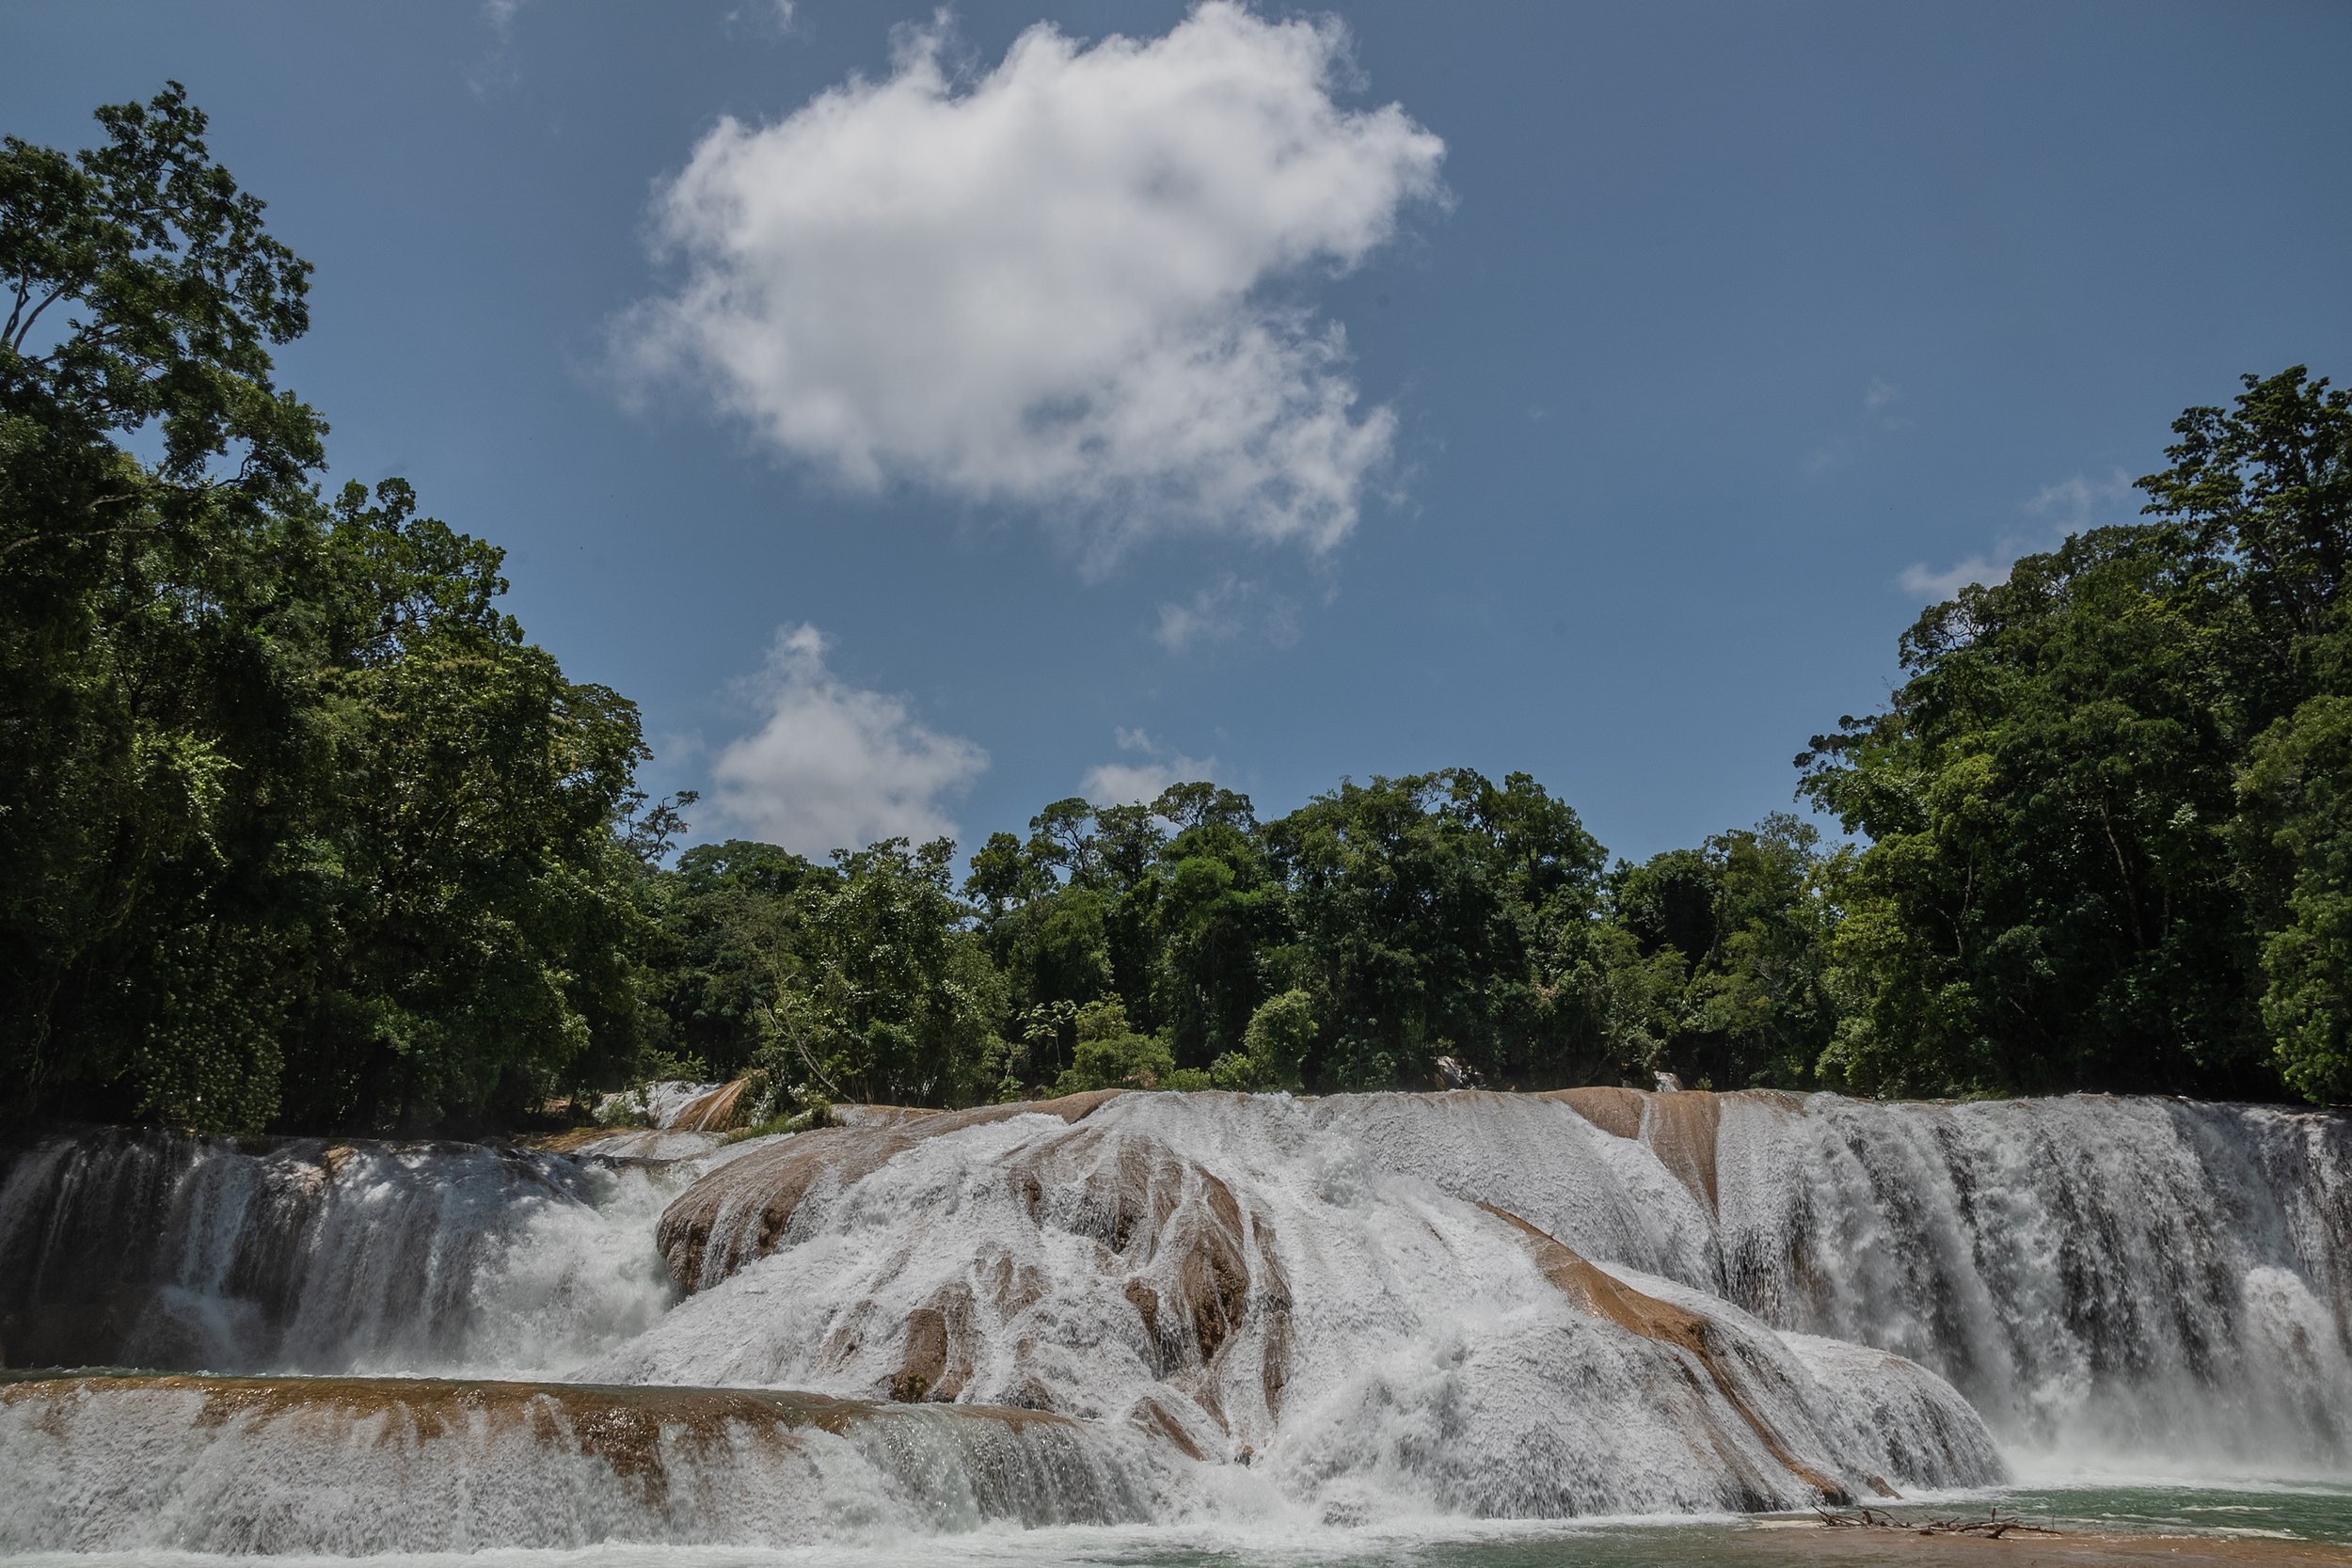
298	826
2105	814
302	831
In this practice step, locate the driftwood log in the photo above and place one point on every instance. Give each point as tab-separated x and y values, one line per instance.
1992	1527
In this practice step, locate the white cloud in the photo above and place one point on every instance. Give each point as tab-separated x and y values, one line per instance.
1921	582
1139	781
1052	283
1220	612
2076	503
2068	506
1880	394
772	17
831	766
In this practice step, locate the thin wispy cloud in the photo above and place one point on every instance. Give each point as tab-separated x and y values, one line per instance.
1921	582
1224	610
772	17
2070	506
1073	283
829	764
2078	503
496	68
1141	771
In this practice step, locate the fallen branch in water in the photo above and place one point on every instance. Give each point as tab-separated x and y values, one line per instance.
1992	1526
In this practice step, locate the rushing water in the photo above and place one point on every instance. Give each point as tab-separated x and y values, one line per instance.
299	1256
1230	1328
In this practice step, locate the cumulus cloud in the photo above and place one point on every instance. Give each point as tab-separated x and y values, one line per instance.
833	765
1146	768
2067	506
1069	282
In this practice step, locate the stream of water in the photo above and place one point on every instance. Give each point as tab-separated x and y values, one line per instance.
1464	1330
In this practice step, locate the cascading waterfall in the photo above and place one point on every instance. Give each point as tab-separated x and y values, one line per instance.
1344	1309
2150	1280
298	1254
354	1466
1225	1272
2153	1279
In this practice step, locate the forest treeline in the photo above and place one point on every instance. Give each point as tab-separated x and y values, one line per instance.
299	831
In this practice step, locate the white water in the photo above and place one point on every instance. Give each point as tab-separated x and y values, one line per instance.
2149	1282
304	1257
161	1467
1426	1367
2144	1280
2137	1285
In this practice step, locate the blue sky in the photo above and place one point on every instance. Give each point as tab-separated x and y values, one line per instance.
921	432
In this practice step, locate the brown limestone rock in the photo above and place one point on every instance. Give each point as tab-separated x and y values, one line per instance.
1275	1306
925	1365
1181	1234
937	1362
1612	1110
722	1110
1153	1419
1145	1204
1681	1128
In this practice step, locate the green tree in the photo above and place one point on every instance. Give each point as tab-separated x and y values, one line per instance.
2296	833
1274	1047
886	995
298	826
1731	945
2062	887
1111	1055
146	611
720	916
477	908
1439	914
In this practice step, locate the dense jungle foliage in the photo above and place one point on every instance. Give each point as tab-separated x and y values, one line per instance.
300	831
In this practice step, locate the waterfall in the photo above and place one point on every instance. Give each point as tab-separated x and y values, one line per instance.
2156	1281
1231	1273
1151	1306
298	1255
354	1466
2152	1279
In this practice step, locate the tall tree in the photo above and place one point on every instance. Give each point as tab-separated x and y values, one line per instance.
2066	886
294	818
